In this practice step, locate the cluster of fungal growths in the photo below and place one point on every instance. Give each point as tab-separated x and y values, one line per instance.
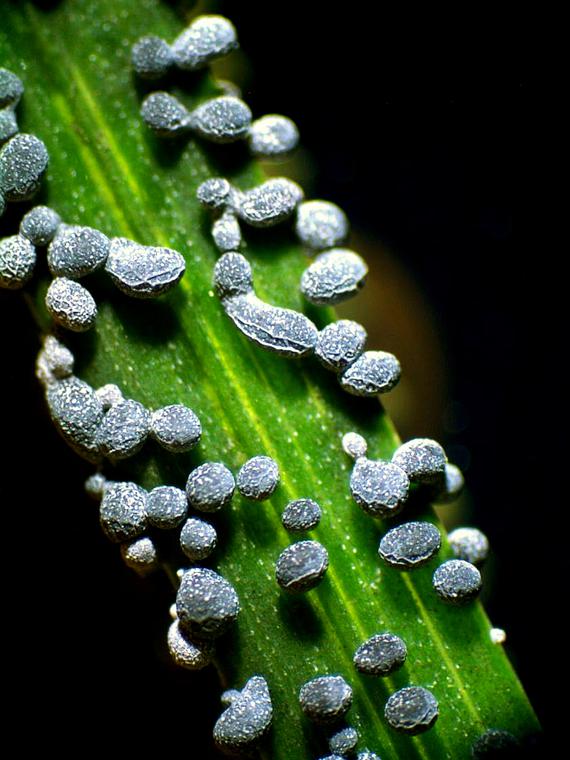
104	427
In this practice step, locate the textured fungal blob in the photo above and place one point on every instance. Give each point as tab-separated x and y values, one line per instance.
95	486
140	555
8	125
344	742
207	38
165	114
23	161
210	486
54	361
340	344
151	57
380	488
233	276
17	262
380	655
258	478
301	566
206	603
198	539
411	710
11	88
498	635
143	271
77	414
373	372
226	232
221	120
124	430
187	653
214	193
176	428
354	445
109	395
71	305
495	744
166	507
325	699
273	136
334	276
452	485
469	544
40	225
247	719
300	515
423	459
77	251
410	545
228	696
270	203
123	512
457	581
321	224
367	755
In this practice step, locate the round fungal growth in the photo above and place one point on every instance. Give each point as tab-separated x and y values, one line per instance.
410	545
8	125
247	718
214	193
270	203
301	566
40	225
142	271
273	136
109	395
23	161
258	478
222	120
325	699
333	277
340	344
71	305
123	512
469	544
372	373
17	262
380	488
210	486
206	603
11	89
165	115
198	539
151	57
423	459
495	744
176	428
140	555
187	653
95	486
301	515
457	581
207	38
411	710
354	445
77	251
166	507
380	655
226	232
344	741
321	224
124	430
54	361
77	414
452	486
498	635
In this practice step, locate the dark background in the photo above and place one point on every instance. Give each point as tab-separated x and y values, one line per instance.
423	129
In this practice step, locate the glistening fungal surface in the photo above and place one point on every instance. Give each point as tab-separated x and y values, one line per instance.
411	710
325	699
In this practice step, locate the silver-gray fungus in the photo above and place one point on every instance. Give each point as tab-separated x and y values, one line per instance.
11	88
411	710
176	428
340	344
77	251
124	430
191	654
77	414
457	581
321	224
71	305
380	488
123	512
206	603
221	120
207	38
423	459
198	539
258	478
273	136
469	544
301	566
140	555
344	742
325	699
54	361
165	114
410	545
373	372
333	277
380	655
143	271
17	262
40	225
301	515
23	161
166	507
247	718
210	486
151	57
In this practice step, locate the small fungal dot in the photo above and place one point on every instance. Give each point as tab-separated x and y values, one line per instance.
367	755
71	305
109	395
498	635
373	372
187	653
380	655
344	741
469	544
354	445
301	515
247	718
40	225
17	262
198	539
258	478
457	581
11	88
333	277
206	603
23	161
321	224
340	344
207	38
151	57
166	507
124	430
95	486
221	120
123	512
77	251
270	203
210	486
325	699
411	710
142	271
140	555
423	459
451	486
55	361
410	545
380	488
495	743
165	114
176	428
273	136
301	566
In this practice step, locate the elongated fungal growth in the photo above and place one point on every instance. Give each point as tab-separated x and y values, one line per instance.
380	655
410	545
247	719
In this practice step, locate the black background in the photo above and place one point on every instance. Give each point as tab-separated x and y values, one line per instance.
422	127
